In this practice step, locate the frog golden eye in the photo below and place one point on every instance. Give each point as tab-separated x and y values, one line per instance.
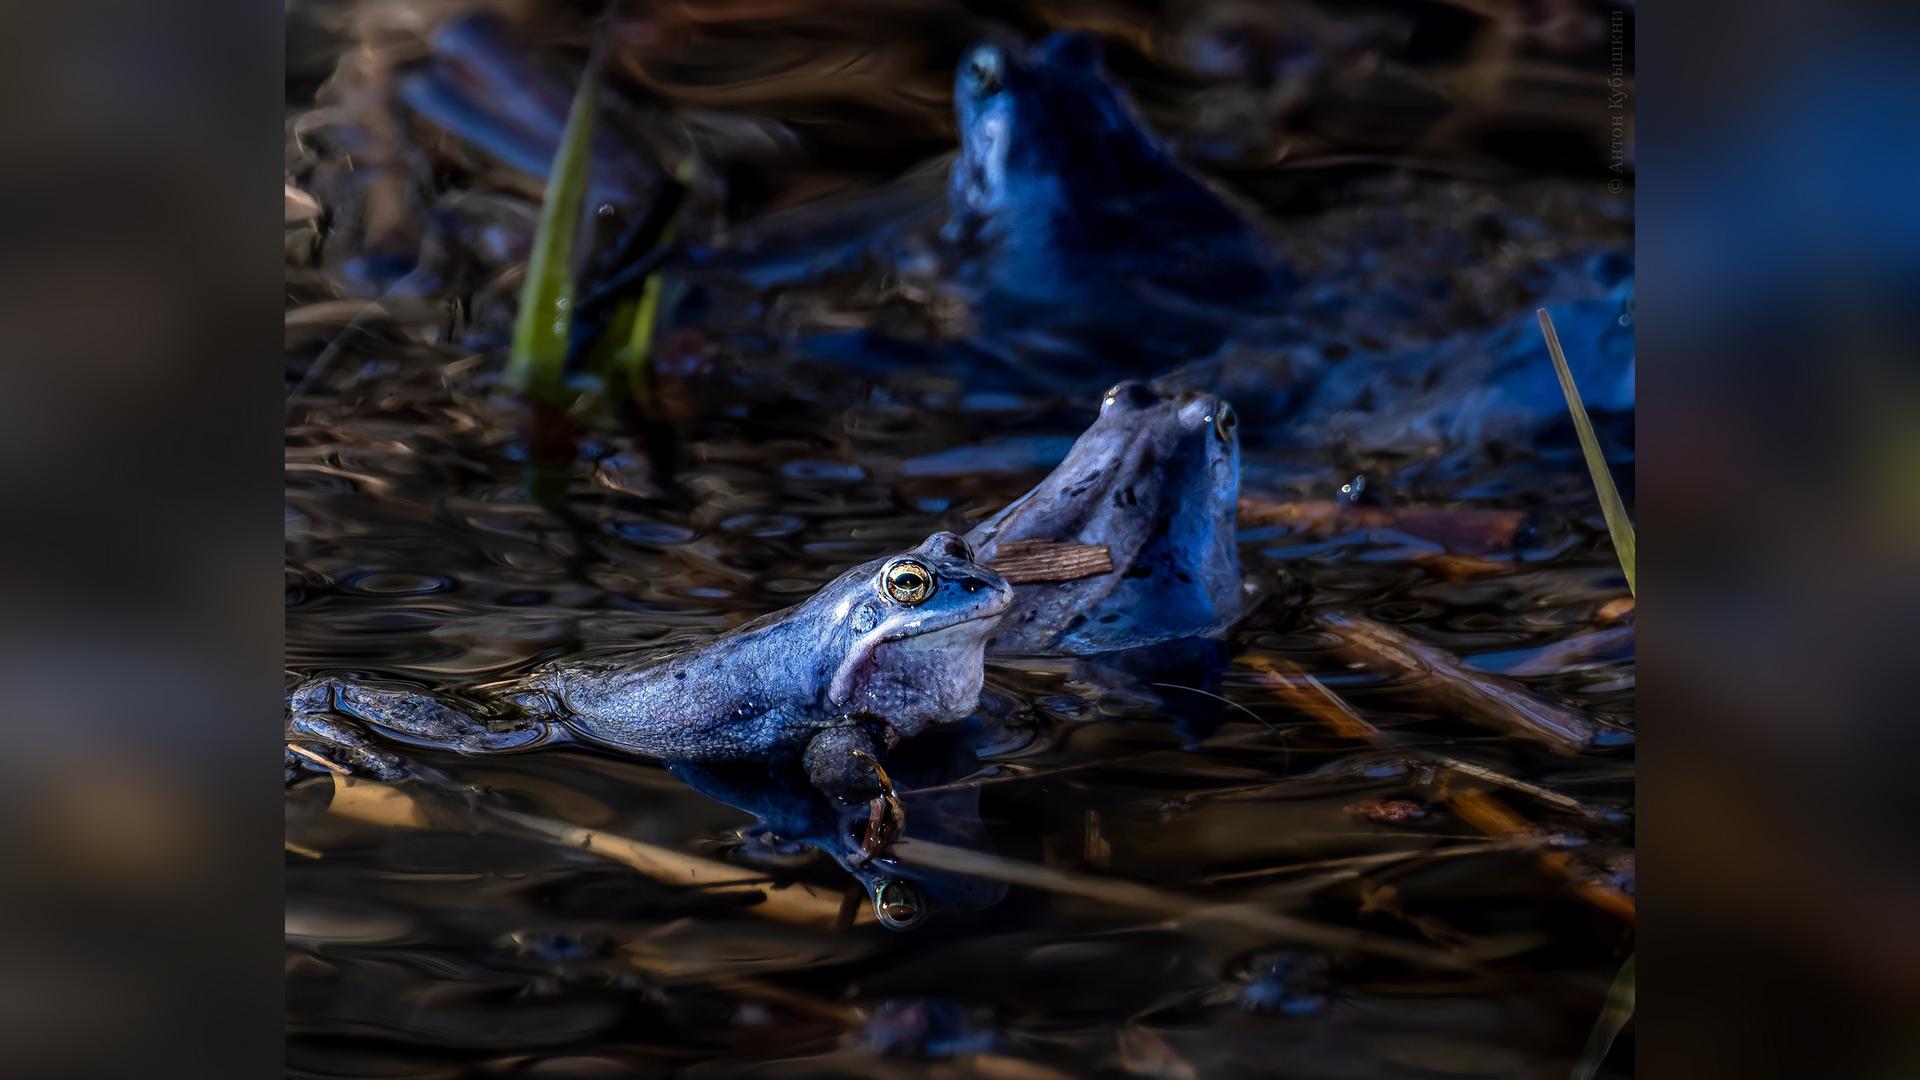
1225	421
907	581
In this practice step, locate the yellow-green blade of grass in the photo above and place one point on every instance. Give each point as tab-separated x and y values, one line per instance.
1613	1016
635	344
1618	524
537	363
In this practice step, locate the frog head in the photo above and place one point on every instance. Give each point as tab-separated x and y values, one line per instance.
906	634
1070	192
1155	479
1039	127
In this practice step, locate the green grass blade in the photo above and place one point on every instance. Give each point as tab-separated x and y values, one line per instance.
1613	1016
1618	524
636	342
537	363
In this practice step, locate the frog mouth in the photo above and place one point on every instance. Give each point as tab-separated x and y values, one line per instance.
923	635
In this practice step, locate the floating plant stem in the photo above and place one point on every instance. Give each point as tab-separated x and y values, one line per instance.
1613	1016
538	363
1618	524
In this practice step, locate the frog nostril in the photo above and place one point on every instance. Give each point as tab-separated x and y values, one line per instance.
972	584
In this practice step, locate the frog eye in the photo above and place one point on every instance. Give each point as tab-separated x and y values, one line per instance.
898	905
985	70
907	581
1225	422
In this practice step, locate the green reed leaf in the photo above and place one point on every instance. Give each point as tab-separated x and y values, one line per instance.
537	363
637	319
1618	524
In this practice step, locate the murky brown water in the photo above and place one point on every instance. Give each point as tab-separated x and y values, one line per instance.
1152	885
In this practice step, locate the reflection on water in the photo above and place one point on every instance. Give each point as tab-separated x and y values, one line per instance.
1201	862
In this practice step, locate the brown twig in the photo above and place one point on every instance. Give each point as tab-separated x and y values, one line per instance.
1489	815
1483	698
1163	902
317	759
1380	858
1024	562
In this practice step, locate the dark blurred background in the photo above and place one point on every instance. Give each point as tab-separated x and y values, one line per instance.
1779	490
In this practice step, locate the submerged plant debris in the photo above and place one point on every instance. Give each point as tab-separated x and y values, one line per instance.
1383	828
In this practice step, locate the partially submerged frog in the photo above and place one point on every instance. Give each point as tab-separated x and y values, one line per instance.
1476	389
1157	481
1072	196
1075	239
885	651
1081	242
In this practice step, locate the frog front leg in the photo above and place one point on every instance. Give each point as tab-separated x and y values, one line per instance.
844	762
841	760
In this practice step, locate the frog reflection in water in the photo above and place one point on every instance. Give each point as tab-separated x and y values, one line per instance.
885	651
793	815
1156	480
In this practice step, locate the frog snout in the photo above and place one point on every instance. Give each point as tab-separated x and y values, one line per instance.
988	590
1198	408
982	71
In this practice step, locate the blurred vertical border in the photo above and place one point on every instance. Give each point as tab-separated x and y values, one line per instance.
1779	488
140	474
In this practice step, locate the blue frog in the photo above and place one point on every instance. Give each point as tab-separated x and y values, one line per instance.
1156	481
889	649
1074	218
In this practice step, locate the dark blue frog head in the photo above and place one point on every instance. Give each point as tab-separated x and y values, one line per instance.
1072	197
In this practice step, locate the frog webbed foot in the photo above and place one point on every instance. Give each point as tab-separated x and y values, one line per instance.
321	743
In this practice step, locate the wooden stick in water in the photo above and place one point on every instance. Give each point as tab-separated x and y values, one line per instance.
1477	808
1024	562
1490	816
1485	699
1311	696
377	803
1163	902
